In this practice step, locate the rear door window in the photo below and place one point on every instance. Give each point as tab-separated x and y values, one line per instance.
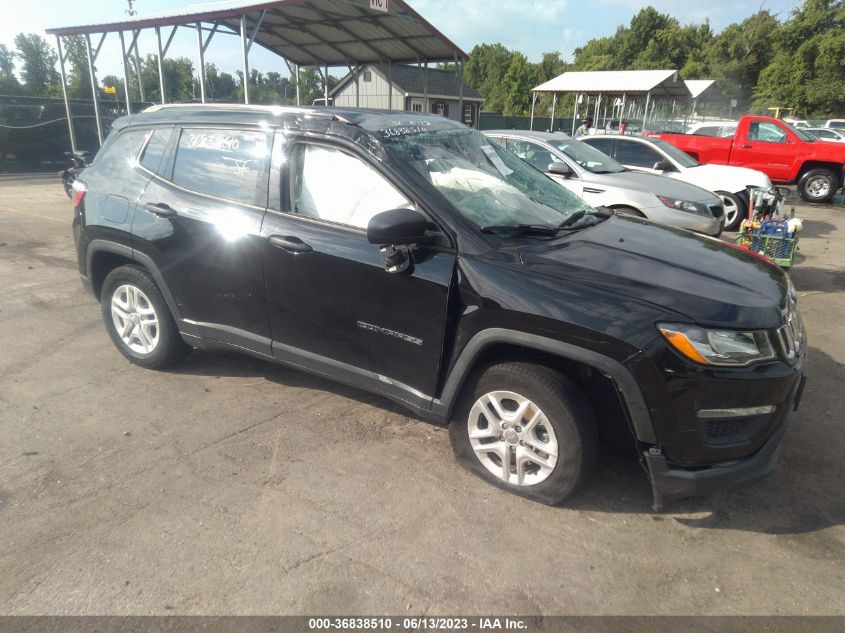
604	145
225	163
119	154
636	154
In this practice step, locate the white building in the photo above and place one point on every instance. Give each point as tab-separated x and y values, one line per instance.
413	88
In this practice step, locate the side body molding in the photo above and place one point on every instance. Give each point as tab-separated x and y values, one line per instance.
625	382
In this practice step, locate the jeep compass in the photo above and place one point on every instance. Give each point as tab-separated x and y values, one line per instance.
407	255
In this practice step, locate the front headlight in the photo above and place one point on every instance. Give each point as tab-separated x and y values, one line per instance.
723	348
685	205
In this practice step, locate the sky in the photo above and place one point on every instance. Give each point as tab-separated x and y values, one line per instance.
530	26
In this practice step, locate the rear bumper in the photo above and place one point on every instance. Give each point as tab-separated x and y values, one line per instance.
671	482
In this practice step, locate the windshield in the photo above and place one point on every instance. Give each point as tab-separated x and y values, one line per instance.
487	184
679	156
588	157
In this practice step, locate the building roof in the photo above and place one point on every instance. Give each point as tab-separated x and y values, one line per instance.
609	82
411	80
310	32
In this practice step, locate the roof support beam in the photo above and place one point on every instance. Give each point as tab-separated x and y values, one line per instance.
160	59
125	73
201	55
62	59
91	57
245	55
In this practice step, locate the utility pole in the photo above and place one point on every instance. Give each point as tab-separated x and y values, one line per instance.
131	10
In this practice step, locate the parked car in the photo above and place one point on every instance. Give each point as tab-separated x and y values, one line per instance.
407	255
785	154
631	127
722	129
839	124
801	124
656	156
602	181
827	134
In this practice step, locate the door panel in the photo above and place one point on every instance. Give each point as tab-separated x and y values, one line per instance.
333	298
208	248
766	147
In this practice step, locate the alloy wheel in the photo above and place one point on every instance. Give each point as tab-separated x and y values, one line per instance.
731	210
512	438
818	187
135	319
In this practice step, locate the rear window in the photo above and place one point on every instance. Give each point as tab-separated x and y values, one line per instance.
118	154
228	164
151	158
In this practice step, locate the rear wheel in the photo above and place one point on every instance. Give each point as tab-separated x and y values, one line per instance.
138	320
524	428
735	209
818	185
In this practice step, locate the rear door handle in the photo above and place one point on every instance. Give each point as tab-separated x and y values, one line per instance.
160	209
290	244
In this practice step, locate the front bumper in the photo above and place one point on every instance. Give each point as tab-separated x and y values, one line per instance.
671	482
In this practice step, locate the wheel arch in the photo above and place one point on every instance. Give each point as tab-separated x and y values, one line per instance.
809	165
497	344
103	256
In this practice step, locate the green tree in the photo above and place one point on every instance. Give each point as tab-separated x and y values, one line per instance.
485	71
9	84
739	54
517	83
38	61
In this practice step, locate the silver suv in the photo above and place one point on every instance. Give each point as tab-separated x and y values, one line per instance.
601	181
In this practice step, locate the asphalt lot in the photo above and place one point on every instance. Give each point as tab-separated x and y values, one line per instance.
232	486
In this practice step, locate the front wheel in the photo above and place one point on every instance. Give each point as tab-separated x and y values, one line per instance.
138	320
524	428
818	185
735	209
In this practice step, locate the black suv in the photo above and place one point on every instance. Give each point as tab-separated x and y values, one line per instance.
407	255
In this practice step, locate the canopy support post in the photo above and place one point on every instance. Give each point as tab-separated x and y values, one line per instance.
533	103
554	107
135	34
574	115
326	85
125	74
622	113
298	94
160	66
389	85
64	94
357	72
426	104
201	55
94	84
645	111
245	60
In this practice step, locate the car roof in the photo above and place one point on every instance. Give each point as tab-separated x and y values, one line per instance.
367	119
540	136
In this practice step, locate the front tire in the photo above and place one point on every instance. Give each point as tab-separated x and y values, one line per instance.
137	319
735	209
526	429
818	186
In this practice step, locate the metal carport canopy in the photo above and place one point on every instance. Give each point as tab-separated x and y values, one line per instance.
312	32
663	83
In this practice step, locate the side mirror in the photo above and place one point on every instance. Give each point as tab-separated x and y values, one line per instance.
559	169
663	165
399	226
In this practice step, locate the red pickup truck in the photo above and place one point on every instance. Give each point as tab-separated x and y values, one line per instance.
785	154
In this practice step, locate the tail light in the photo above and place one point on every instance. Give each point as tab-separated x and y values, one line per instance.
78	193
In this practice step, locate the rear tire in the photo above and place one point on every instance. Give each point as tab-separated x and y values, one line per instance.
138	320
818	185
526	429
735	209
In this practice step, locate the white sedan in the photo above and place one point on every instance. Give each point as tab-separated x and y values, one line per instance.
659	157
827	134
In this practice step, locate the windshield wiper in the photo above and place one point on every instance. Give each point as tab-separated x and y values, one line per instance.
521	229
572	219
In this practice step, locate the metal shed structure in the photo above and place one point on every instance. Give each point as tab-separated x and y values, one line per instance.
614	86
319	33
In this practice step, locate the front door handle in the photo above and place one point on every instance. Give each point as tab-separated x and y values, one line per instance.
745	146
160	209
290	244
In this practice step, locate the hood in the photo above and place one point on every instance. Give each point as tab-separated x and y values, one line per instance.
724	178
707	281
655	185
